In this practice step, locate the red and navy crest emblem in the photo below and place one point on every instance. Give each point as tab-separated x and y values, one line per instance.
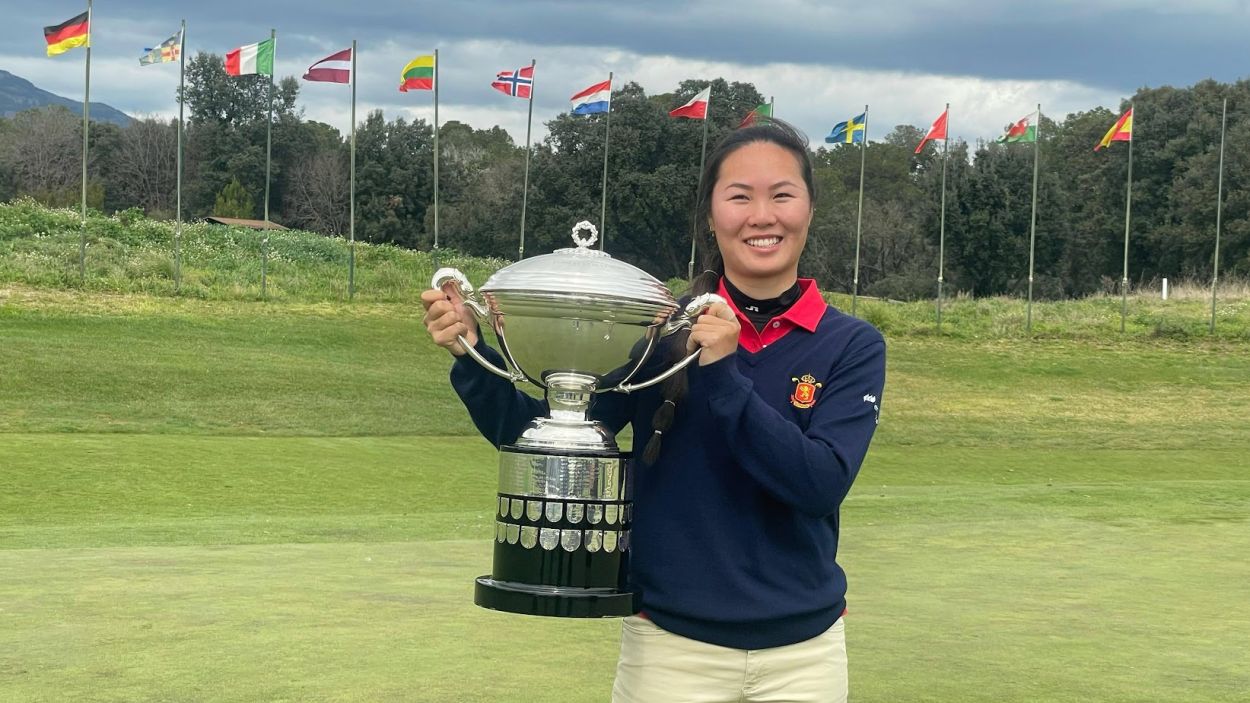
805	387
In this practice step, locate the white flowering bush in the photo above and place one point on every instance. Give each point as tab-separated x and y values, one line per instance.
127	252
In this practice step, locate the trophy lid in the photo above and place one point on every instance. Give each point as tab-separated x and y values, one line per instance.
581	270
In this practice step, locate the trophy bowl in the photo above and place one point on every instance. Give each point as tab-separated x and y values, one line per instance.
576	323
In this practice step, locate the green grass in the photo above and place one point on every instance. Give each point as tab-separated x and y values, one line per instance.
127	253
141	567
219	499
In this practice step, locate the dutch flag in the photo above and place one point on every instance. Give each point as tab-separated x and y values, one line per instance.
596	98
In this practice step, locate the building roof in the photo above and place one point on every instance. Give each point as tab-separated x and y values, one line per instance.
237	222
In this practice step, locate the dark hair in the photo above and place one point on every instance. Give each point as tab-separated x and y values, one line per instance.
770	131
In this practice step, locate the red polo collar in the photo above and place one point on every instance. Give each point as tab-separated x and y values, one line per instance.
805	313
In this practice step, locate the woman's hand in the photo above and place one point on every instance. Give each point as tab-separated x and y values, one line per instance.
717	332
446	317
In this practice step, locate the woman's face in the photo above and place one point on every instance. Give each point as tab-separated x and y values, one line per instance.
760	213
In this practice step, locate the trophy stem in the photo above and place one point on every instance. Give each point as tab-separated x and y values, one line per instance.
569	395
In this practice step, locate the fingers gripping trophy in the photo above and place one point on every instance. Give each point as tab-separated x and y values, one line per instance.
576	323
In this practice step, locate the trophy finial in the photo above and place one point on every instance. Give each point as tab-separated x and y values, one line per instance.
585	226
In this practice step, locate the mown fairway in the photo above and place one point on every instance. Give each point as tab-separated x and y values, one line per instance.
238	501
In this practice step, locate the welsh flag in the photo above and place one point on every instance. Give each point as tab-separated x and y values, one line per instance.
251	59
1022	131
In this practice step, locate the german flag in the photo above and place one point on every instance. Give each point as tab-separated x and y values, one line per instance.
67	35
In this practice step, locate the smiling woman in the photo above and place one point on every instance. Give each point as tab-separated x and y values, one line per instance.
749	457
749	453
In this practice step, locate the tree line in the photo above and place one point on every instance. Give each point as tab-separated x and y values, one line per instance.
652	175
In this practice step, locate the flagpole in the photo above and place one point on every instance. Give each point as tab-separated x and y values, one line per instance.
1128	209
182	87
603	200
86	110
264	242
1219	206
694	239
351	189
946	147
1037	141
859	218
273	36
269	126
525	189
435	252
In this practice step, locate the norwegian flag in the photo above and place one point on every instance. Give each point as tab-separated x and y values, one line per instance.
516	83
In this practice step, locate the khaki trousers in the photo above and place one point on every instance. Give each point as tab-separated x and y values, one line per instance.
657	666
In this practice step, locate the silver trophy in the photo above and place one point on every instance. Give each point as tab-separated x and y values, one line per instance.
575	322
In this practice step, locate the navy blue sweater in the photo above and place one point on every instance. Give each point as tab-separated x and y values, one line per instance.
735	531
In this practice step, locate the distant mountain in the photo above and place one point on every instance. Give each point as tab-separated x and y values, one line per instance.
18	94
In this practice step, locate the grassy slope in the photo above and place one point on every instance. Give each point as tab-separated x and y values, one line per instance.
214	499
39	249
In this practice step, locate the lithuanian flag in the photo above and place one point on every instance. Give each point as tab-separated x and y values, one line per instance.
67	35
418	74
1121	131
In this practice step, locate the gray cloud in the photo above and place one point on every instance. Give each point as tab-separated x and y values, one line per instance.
996	54
1116	44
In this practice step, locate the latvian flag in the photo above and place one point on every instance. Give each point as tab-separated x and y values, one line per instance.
596	98
251	59
516	83
335	68
67	35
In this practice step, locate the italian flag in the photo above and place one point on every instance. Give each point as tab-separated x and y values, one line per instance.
251	59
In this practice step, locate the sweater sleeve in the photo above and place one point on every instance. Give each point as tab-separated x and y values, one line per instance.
498	409
811	470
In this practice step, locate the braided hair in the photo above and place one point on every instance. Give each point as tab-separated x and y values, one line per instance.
771	131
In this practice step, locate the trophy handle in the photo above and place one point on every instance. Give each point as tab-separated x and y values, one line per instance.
444	276
683	321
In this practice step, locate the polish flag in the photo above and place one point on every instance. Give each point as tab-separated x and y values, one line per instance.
696	109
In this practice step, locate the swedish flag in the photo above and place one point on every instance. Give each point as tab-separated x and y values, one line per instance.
849	132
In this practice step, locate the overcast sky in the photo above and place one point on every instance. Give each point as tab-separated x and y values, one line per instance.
822	61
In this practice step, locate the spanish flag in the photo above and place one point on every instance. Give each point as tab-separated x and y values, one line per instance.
67	35
1121	131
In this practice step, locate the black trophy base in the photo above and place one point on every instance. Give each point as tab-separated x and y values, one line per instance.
562	602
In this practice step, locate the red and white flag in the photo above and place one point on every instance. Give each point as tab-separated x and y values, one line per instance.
696	109
335	68
518	83
937	131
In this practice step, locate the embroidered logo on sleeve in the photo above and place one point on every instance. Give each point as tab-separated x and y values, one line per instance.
805	388
876	409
